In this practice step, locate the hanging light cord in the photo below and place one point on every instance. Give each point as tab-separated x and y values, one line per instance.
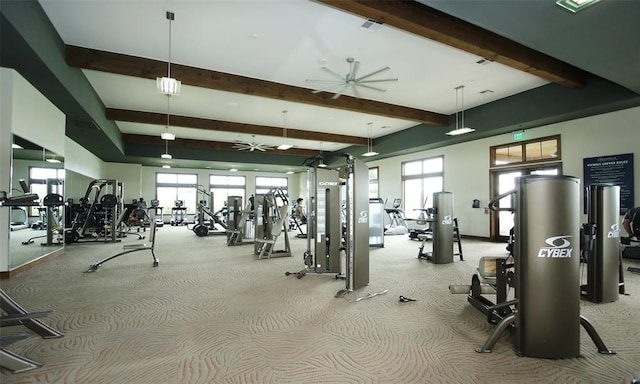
462	107
284	123
170	16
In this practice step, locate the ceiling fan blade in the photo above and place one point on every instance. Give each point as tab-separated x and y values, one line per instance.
330	88
339	92
332	73
353	75
324	81
373	73
355	90
376	81
374	88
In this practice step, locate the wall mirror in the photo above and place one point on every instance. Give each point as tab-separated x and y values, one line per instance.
36	231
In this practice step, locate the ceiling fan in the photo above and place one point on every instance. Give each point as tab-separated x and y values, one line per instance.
350	80
252	146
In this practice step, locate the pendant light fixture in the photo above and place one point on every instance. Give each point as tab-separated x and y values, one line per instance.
460	128
167	135
284	146
168	85
370	152
321	164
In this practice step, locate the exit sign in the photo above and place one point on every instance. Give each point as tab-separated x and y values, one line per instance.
518	135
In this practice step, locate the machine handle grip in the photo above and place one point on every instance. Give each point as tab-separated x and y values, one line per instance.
494	201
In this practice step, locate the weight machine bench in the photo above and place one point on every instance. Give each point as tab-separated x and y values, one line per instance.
17	315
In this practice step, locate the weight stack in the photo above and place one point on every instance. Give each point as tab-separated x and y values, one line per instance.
547	262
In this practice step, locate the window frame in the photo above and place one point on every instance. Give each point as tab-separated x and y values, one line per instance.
493	150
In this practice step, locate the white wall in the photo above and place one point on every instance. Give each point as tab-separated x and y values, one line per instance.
466	165
131	177
81	161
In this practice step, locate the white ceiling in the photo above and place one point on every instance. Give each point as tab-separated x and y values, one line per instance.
280	41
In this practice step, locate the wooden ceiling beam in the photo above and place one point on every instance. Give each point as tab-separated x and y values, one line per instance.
208	145
226	126
151	69
419	19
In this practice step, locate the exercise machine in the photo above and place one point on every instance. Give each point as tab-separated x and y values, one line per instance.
397	225
444	232
325	229
421	225
272	210
631	245
338	222
206	220
545	314
376	222
18	216
178	212
600	251
100	214
156	213
240	224
52	221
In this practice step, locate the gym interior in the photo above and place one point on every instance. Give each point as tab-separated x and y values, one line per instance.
494	275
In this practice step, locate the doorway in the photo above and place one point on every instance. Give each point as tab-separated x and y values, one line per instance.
505	180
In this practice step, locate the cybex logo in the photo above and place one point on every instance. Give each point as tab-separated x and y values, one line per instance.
447	220
327	183
614	233
364	217
559	247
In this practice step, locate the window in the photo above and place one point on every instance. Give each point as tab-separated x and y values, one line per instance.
510	161
543	149
420	179
38	183
373	183
171	187
264	184
221	187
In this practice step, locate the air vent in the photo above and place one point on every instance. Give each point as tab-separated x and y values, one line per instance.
371	25
484	61
88	125
486	92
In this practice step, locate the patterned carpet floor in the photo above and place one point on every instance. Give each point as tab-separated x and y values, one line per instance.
214	314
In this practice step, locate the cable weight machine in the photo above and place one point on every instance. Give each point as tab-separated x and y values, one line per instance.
333	227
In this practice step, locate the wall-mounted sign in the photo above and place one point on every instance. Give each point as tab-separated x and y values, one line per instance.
614	169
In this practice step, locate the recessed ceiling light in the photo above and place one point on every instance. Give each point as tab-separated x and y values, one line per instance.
371	25
233	170
575	6
54	161
166	166
290	172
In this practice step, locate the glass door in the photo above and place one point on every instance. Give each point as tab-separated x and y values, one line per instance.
504	181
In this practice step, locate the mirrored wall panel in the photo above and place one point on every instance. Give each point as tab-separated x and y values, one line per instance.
37	228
